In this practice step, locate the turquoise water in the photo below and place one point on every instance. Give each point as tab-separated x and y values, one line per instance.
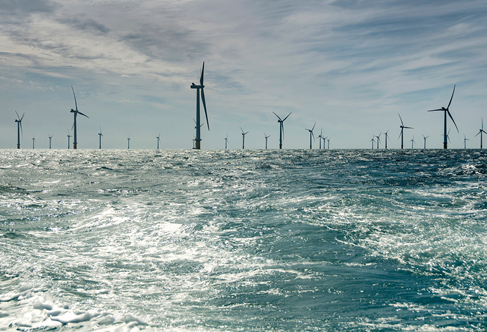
259	240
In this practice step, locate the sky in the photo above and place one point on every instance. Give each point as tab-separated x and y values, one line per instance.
350	66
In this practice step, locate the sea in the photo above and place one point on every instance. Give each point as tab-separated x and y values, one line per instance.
243	240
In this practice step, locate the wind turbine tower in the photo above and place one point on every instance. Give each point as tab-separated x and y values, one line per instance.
281	128
311	136
446	110
226	142
198	119
481	132
386	138
243	137
412	143
69	136
372	141
425	137
75	112
402	131
99	138
19	128
320	137
266	137
465	141
128	143
50	137
158	139
33	142
378	141
328	143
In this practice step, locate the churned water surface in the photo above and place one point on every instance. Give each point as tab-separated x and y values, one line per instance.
243	240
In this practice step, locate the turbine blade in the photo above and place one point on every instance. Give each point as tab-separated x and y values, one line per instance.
83	114
202	73
409	127
313	127
204	102
480	119
277	116
439	109
451	97
286	117
451	117
478	133
241	129
75	103
18	116
402	123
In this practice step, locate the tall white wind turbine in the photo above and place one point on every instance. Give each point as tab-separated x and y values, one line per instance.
243	137
281	128
446	111
481	132
401	135
50	137
266	137
198	119
19	128
311	136
425	137
76	112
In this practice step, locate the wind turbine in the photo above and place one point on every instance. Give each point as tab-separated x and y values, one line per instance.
266	137
412	143
33	141
198	121
446	110
481	131
465	141
19	128
69	136
320	137
424	137
387	137
378	141
328	144
311	136
128	143
372	140
226	142
158	140
76	112
402	129
50	137
281	128
243	138
99	136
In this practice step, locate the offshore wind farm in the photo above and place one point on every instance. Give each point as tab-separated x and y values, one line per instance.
158	223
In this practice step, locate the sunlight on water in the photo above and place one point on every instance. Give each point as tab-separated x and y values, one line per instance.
250	240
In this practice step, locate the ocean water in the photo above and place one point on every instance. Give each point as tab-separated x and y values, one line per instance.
254	240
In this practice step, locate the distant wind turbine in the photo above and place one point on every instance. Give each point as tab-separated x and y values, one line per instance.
198	119
412	143
226	142
320	136
243	138
76	112
50	137
158	139
324	142
128	143
266	137
465	141
402	129
386	138
69	136
446	110
328	144
424	137
100	134
481	132
33	141
19	128
378	141
372	140
281	128
311	136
